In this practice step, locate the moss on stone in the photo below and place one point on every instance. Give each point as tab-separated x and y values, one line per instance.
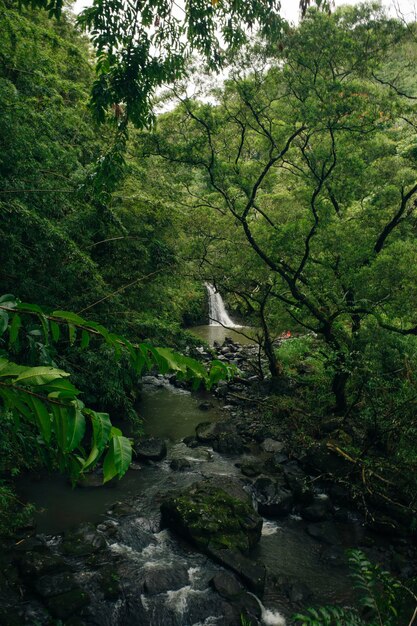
207	514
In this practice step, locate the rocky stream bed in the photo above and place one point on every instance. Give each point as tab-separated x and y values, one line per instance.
217	519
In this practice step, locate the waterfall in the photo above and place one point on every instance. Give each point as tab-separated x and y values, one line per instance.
269	618
218	316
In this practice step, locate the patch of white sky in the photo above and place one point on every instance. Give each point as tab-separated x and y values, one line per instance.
403	9
290	8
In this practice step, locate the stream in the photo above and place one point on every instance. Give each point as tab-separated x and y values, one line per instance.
301	571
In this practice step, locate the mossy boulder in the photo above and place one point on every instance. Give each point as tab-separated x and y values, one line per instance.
206	514
221	522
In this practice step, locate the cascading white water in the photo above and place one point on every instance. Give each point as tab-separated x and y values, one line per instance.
218	316
270	618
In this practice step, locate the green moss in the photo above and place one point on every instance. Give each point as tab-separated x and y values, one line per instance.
208	514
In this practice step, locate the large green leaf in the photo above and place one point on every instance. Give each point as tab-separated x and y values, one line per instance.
4	322
75	429
101	429
118	458
122	454
43	418
109	467
39	375
69	317
55	330
10	369
8	300
14	329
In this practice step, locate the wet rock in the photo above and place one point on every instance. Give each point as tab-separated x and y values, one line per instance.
153	380
66	604
318	511
37	564
323	461
275	463
120	509
251	572
206	514
298	483
92	480
297	592
180	465
55	584
83	541
151	449
228	443
206	432
271	445
159	579
325	532
35	543
226	585
251	468
205	406
272	498
191	442
109	527
221	435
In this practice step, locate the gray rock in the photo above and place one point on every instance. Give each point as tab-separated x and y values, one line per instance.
271	445
151	449
93	480
83	541
180	465
298	593
36	564
275	463
205	406
159	579
228	443
251	572
273	499
251	468
206	432
191	442
226	585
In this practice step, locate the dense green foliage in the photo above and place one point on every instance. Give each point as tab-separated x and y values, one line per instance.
378	598
292	187
303	176
65	249
44	397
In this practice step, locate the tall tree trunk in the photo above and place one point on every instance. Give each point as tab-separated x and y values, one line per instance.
274	366
339	383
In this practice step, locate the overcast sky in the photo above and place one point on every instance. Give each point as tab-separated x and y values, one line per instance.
290	7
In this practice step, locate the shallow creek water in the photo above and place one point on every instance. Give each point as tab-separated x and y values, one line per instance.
211	333
294	559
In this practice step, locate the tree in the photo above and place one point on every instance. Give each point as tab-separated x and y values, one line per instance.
307	160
